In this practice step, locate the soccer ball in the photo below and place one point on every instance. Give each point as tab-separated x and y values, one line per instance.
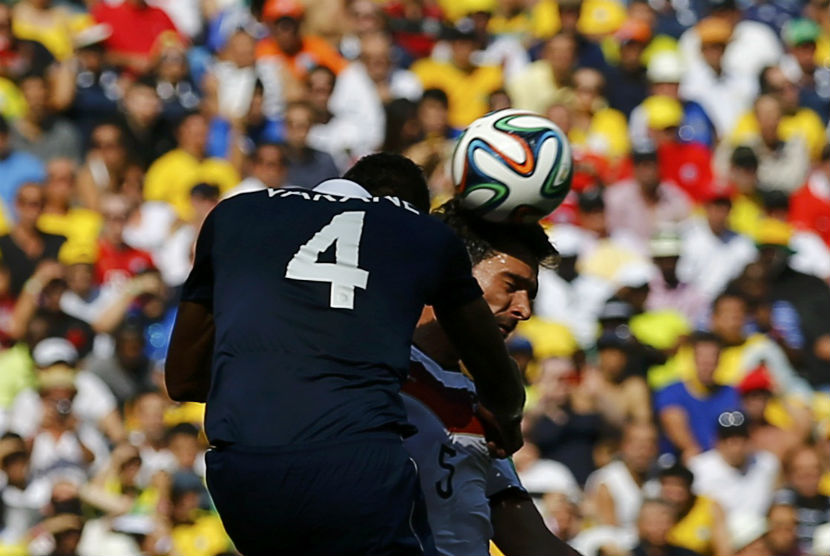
512	166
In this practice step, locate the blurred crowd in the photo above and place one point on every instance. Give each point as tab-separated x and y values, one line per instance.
678	365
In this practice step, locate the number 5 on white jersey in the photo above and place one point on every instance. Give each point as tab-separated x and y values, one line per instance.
345	229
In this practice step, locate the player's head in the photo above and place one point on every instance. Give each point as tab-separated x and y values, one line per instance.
505	259
388	174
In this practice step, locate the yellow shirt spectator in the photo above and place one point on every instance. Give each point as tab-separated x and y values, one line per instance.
607	134
746	215
204	537
79	225
53	27
171	177
468	91
539	22
12	103
694	530
805	123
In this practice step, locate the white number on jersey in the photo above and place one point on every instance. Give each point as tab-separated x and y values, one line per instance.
344	275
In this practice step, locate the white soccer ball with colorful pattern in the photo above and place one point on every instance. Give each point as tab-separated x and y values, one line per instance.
512	166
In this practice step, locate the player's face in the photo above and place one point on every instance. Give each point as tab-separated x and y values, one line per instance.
509	285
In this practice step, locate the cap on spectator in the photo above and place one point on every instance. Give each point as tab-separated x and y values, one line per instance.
78	252
665	67
619	338
600	17
133	524
567	240
11	446
464	28
744	157
92	35
663	112
774	232
757	380
278	9
615	309
719	5
643	151
732	423
591	200
478	6
745	528
52	351
800	31
57	376
714	30
635	275
666	243
633	30
718	191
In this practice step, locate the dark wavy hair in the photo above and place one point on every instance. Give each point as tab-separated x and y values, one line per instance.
484	239
384	173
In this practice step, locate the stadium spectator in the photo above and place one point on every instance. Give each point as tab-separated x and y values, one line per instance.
810	205
562	424
700	525
614	491
146	135
268	169
630	84
19	56
466	82
666	291
688	410
171	177
61	216
117	261
40	131
641	204
740	478
539	84
17	167
136	29
300	53
801	36
304	165
802	468
654	523
25	246
782	538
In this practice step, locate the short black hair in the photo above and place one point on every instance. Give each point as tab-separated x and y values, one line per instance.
4	124
436	94
205	191
186	429
825	152
678	470
388	174
704	337
744	157
484	239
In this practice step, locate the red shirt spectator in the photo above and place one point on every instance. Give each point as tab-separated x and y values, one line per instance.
115	262
810	205
689	165
135	26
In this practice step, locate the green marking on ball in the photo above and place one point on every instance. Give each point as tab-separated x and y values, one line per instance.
501	193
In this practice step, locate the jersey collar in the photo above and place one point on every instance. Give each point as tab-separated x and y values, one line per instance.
343	188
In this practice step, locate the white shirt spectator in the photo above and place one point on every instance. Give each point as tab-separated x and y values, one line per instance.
811	254
724	97
710	262
236	87
91	404
152	227
575	304
359	121
546	475
747	490
627	495
752	47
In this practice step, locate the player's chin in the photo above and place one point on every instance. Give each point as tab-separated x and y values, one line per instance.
506	329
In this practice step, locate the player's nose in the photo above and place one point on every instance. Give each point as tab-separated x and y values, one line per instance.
521	306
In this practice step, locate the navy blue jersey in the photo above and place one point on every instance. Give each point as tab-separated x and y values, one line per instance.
315	299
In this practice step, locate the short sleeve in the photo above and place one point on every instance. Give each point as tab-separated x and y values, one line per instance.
502	476
198	287
667	397
455	285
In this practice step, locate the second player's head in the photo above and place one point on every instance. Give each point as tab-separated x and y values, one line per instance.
386	174
506	260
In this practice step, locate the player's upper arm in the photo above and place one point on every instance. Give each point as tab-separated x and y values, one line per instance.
454	284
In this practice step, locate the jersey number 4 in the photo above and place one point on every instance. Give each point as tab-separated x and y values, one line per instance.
344	275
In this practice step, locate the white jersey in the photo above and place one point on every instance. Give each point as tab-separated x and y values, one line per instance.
457	474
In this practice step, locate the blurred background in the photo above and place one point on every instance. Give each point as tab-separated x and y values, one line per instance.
678	366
